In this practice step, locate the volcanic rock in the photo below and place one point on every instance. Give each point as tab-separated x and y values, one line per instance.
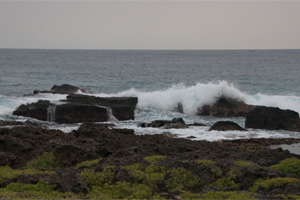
167	124
81	108
122	107
271	118
226	107
226	126
75	113
36	110
67	89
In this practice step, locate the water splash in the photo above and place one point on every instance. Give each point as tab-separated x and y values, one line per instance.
51	113
110	115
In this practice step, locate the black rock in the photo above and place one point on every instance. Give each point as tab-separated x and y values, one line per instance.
34	110
67	89
167	124
271	118
76	113
122	107
226	126
226	107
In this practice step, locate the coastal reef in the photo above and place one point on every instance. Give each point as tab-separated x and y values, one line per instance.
98	162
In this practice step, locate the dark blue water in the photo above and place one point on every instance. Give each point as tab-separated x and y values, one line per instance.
253	71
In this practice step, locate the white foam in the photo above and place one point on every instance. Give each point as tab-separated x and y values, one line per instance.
283	102
202	133
195	96
9	104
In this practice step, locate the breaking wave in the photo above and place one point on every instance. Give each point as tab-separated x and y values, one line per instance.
195	96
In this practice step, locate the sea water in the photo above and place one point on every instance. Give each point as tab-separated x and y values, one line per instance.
161	80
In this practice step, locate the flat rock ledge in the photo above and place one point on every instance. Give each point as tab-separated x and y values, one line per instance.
79	108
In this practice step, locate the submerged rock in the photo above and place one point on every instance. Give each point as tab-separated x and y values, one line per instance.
167	124
226	126
226	107
271	118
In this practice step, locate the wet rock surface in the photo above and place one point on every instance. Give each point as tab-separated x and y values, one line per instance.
271	118
68	89
221	166
79	108
226	107
167	124
226	126
122	107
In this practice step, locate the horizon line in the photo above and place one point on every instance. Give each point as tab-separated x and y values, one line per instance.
250	49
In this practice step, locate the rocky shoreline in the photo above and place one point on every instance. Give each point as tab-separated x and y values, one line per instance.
98	161
162	167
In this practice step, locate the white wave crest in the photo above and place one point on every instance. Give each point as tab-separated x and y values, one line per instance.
9	104
195	96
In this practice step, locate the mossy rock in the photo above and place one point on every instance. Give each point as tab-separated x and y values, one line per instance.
211	165
41	190
228	180
88	163
243	163
279	182
6	172
92	178
180	178
154	159
219	195
121	190
45	161
288	166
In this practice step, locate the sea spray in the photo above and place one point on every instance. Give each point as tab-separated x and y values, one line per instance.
51	113
193	97
110	116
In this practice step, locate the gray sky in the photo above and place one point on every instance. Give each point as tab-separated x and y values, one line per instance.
150	24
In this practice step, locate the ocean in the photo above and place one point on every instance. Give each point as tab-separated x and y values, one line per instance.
161	79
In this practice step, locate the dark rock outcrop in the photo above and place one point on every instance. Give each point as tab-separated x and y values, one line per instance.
167	124
75	113
226	107
226	126
122	107
81	108
271	118
34	110
67	89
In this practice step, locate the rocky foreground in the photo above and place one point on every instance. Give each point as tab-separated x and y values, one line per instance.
99	162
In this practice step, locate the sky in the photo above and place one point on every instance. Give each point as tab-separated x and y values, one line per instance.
150	24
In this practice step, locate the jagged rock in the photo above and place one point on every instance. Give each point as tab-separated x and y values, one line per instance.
226	107
271	118
81	108
7	158
67	89
226	126
122	107
66	113
76	113
167	124
36	110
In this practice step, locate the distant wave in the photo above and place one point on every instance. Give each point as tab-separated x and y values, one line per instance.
195	96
